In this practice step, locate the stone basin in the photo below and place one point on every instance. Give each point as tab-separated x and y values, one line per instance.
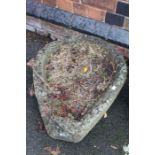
65	128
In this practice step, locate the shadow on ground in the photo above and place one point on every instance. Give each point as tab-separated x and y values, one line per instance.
110	131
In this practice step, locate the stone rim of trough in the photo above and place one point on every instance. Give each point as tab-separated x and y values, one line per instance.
79	129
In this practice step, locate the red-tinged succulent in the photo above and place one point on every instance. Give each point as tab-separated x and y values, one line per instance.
63	110
62	97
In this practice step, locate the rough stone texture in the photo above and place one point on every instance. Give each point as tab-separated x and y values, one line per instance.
65	129
119	35
85	24
62	17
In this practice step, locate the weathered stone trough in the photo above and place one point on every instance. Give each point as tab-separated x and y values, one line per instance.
65	128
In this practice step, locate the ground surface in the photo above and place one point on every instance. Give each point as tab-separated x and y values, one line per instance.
112	130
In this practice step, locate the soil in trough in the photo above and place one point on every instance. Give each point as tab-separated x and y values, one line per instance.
77	75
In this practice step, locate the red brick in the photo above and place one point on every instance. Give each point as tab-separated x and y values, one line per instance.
88	11
103	4
95	13
49	2
79	9
66	5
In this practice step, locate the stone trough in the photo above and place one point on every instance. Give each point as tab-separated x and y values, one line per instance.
65	128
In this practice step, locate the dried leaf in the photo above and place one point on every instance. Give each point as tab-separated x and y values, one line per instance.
53	151
85	69
31	62
62	111
105	115
114	147
63	97
41	126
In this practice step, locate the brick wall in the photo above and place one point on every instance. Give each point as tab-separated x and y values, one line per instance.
113	12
